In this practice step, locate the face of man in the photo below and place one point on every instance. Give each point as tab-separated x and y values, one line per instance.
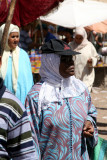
66	67
13	40
78	39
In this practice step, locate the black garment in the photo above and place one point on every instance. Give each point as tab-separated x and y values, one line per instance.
2	88
57	46
99	44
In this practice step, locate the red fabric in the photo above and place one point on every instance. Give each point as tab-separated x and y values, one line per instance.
3	10
27	11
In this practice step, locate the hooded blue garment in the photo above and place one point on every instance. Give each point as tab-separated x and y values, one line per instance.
25	77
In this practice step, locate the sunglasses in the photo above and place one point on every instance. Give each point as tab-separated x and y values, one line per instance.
66	59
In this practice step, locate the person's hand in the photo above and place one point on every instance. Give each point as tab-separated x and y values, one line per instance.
89	62
88	129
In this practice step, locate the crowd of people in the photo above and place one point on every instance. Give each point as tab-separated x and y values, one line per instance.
53	118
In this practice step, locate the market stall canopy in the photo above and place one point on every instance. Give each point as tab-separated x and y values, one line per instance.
100	27
26	11
74	13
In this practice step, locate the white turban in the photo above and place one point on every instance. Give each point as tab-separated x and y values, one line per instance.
12	28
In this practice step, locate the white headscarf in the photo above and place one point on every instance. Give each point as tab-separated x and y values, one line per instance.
80	31
55	87
6	54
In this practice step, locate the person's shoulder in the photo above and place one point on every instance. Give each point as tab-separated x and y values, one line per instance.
34	92
23	52
91	44
11	102
93	48
24	59
50	35
36	87
79	85
53	36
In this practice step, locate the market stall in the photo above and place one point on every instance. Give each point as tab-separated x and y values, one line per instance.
74	13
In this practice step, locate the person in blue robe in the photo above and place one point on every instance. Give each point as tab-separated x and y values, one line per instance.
16	67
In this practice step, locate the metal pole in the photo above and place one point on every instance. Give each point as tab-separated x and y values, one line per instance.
7	25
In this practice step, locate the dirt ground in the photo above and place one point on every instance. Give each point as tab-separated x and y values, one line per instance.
99	99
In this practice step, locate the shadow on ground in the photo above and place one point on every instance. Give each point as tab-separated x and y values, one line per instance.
99	124
102	132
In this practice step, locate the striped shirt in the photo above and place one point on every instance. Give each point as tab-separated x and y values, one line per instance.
15	132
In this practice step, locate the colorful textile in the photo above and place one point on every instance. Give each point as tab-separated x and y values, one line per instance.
25	78
57	132
15	132
100	151
35	59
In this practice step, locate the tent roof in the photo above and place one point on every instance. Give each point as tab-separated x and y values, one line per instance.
98	27
73	13
26	11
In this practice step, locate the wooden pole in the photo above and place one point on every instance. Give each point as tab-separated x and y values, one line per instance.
7	25
41	29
